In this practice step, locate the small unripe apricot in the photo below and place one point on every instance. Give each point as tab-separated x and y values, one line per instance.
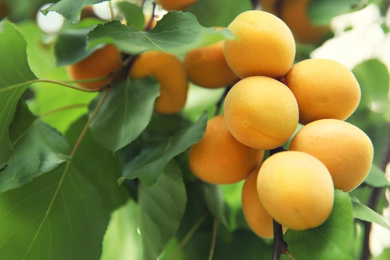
218	158
207	67
258	219
169	71
296	189
261	112
345	149
172	5
323	89
265	45
99	64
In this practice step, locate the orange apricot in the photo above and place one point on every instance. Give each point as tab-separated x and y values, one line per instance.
324	89
172	5
99	64
218	158
345	149
296	189
207	67
169	71
264	45
261	112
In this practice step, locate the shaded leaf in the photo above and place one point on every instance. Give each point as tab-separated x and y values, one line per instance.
37	149
331	240
215	202
153	158
15	77
322	11
176	32
71	9
133	14
363	212
161	209
377	178
125	113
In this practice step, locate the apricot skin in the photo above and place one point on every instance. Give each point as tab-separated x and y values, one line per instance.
258	219
219	158
265	45
169	71
97	65
323	89
296	189
345	150
207	67
261	112
172	5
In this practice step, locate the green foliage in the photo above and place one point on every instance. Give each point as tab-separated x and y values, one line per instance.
322	11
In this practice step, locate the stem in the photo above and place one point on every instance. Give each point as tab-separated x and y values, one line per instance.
221	99
373	202
214	237
280	246
150	22
255	4
60	109
189	234
111	10
65	84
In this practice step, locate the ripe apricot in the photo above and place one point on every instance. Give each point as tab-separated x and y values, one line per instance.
295	15
324	89
99	64
172	5
265	45
345	149
207	67
261	112
169	71
296	189
258	219
218	158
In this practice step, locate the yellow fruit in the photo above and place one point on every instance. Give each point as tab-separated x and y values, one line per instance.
265	45
296	189
219	158
261	112
99	64
323	89
169	71
172	5
346	150
207	67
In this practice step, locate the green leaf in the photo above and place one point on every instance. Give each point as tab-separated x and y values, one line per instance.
331	240
176	32
218	12
15	77
215	203
322	11
133	14
363	212
161	209
377	177
71	9
125	113
59	215
153	158
37	149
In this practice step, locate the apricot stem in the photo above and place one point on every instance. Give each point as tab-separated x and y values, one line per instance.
213	239
150	22
220	101
65	84
60	109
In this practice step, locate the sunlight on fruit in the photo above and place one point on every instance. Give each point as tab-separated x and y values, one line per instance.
50	23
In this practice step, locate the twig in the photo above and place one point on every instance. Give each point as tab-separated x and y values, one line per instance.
214	237
280	246
221	99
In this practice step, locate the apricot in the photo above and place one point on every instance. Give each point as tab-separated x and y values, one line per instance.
296	189
324	89
265	45
207	67
261	112
172	5
99	64
295	15
258	219
218	158
345	149
169	71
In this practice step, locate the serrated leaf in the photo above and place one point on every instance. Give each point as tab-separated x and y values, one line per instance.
322	11
377	177
133	14
152	160
125	113
176	32
215	202
363	212
161	209
37	149
71	9
331	240
59	215
15	77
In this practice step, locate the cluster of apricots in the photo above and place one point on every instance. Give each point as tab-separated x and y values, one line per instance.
276	103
